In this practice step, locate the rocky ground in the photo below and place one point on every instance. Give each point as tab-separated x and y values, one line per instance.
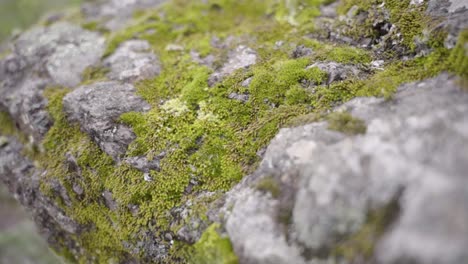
150	131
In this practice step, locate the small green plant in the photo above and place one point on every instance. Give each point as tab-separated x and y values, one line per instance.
346	123
269	185
213	248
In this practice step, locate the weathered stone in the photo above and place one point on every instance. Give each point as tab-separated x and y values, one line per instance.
241	58
239	97
97	108
115	14
133	61
338	71
413	152
143	164
42	57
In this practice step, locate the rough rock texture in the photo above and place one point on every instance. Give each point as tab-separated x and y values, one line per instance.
413	152
44	57
115	14
259	131
240	58
133	61
97	108
22	180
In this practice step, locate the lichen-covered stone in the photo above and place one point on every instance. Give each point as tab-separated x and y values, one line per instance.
153	151
133	61
115	14
97	108
411	153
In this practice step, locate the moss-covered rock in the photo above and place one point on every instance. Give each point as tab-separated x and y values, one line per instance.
150	131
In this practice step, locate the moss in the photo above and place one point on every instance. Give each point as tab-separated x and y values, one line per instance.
343	54
458	61
269	185
303	120
410	20
346	123
9	128
205	135
94	74
7	125
385	83
361	244
213	248
103	240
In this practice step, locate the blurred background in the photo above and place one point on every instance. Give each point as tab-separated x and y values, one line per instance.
20	14
19	241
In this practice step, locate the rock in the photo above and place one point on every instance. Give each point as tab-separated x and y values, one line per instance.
143	164
133	61
241	58
22	179
453	14
115	14
42	57
339	72
97	107
413	153
247	82
373	181
62	50
109	200
301	51
239	97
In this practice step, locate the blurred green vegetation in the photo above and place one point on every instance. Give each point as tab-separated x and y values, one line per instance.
20	14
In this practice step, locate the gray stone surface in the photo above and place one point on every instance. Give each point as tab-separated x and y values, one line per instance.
133	61
44	57
414	152
241	57
115	14
339	72
97	108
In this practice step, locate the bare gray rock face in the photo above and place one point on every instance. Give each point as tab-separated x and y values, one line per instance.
115	14
42	57
414	153
97	108
133	61
240	58
339	72
454	16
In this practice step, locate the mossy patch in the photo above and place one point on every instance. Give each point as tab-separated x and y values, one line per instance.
204	135
7	125
361	244
346	123
213	248
410	20
458	61
269	185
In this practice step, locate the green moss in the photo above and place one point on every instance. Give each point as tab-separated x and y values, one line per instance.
385	83
7	125
343	54
103	240
409	19
205	135
94	74
458	61
269	185
361	244
213	248
346	123
303	120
